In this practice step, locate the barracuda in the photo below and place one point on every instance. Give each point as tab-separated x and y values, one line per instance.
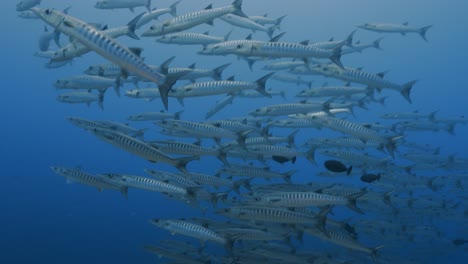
140	148
193	19
289	50
176	179
305	199
245	22
189	229
79	176
251	171
403	29
155	13
144	183
292	108
334	91
105	46
360	132
153	116
130	4
180	148
219	106
189	38
82	98
204	130
219	87
376	81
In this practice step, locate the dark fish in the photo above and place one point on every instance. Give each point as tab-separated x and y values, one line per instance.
337	166
370	177
459	241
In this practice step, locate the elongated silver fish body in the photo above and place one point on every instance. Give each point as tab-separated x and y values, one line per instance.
104	45
189	229
79	176
193	19
189	38
144	183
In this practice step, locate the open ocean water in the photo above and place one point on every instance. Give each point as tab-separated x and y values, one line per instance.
45	220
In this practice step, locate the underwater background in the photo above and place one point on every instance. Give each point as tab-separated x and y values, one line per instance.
45	220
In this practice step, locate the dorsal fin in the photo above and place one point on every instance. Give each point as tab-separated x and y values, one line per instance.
136	51
406	23
331	39
230	78
105	27
249	37
277	37
206	33
192	66
210	6
382	74
305	42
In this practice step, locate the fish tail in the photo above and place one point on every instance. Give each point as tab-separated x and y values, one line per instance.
237	4
101	99
386	198
241	137
218	71
271	31
376	43
173	8
423	30
292	137
374	253
132	26
279	20
405	92
222	157
348	171
182	163
352	202
349	39
336	56
226	37
261	84
148	5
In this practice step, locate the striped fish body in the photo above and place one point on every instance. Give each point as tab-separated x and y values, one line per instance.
199	129
210	180
267	214
299	199
145	183
219	106
111	4
175	147
189	38
110	70
295	123
77	175
190	20
148	93
355	157
288	50
288	109
104	45
353	129
134	146
334	91
237	47
155	13
78	97
283	65
152	116
212	88
245	22
173	178
189	229
87	82
249	234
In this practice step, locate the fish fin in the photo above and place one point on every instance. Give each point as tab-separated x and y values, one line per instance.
173	8
136	51
148	5
336	57
237	4
423	30
261	84
230	79
210	6
165	65
226	37
218	71
132	25
352	202
210	23
348	171
376	43
182	163
277	37
132	9
405	92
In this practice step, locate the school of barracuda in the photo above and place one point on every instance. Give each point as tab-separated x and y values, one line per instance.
254	212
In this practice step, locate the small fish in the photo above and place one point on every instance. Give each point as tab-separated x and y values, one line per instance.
369	178
337	166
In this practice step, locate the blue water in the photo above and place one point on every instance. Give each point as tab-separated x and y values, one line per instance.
45	220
